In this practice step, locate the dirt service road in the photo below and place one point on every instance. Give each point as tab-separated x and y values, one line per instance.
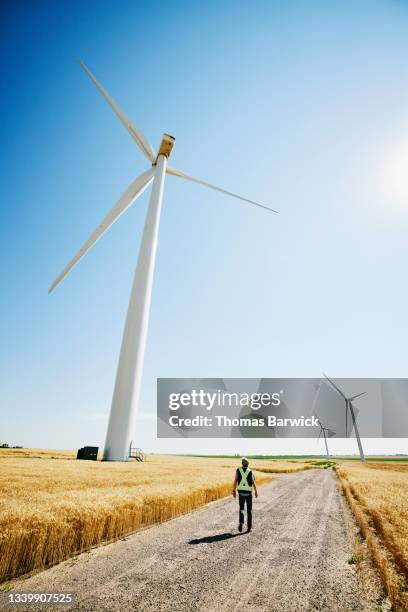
295	559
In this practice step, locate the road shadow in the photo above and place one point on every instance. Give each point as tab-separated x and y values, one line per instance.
215	538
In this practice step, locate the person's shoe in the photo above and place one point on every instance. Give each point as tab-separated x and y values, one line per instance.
240	527
249	529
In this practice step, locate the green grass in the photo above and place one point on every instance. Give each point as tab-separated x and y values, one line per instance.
355	559
324	463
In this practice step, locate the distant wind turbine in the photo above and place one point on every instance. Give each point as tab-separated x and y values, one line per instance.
326	432
122	420
349	406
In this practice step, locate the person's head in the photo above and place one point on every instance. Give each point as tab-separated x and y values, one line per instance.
245	462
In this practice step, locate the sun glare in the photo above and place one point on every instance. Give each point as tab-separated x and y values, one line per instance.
395	175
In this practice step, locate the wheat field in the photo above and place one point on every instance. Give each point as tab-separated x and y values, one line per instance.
378	495
53	508
37	453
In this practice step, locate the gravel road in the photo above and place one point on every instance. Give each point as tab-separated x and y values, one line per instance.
294	560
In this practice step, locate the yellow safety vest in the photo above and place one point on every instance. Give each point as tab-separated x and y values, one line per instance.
243	485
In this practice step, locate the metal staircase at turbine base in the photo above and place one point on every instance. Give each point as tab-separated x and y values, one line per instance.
136	453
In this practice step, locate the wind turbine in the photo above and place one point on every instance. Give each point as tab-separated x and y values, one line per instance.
349	406
122	419
326	432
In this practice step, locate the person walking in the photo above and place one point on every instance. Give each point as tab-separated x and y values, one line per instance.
244	482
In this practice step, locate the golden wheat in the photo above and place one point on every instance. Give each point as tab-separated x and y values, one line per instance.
378	496
39	453
51	509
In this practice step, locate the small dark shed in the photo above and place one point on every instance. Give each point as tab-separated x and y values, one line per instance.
88	452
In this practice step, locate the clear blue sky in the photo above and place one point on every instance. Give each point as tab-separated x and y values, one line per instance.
301	105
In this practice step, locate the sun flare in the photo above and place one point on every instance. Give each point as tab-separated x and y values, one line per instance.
395	175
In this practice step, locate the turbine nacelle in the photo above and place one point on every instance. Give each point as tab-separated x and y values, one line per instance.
166	147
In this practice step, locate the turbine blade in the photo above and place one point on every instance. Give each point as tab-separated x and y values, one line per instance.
356	396
334	386
136	134
173	172
131	194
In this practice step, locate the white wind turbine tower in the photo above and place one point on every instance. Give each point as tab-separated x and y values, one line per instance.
349	406
123	412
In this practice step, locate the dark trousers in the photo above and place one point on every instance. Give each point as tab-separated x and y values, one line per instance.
248	499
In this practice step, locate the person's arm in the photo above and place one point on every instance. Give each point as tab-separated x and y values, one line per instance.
254	485
234	490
